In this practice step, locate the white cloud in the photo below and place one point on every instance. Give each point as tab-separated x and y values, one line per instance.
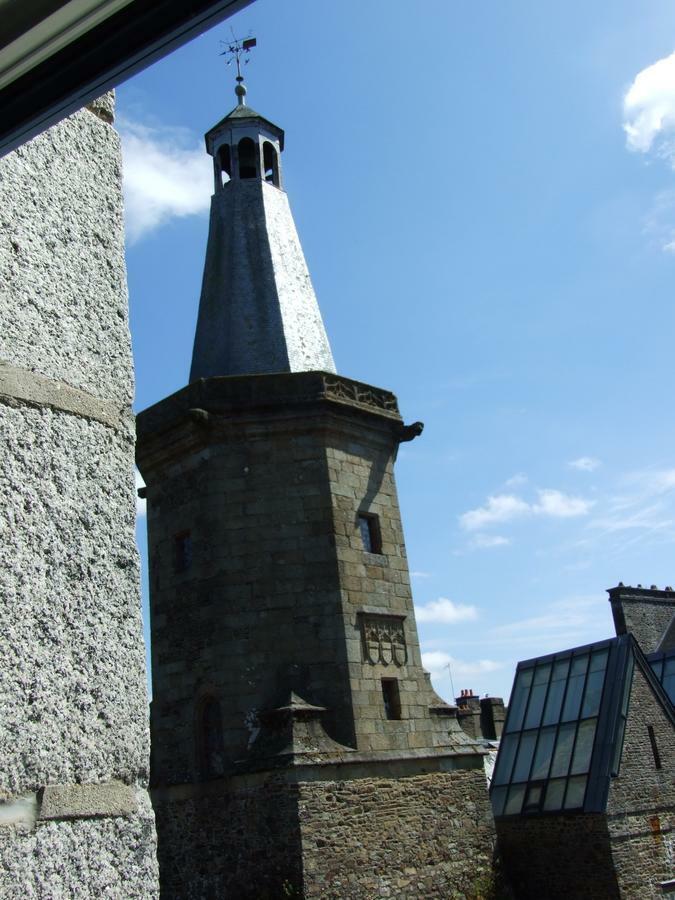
585	464
446	612
561	506
499	508
506	507
517	480
486	541
649	109
436	662
167	174
141	504
563	623
420	574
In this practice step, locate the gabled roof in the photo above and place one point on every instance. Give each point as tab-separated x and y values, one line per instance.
240	114
564	731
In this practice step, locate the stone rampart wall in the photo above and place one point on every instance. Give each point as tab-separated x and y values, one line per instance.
423	836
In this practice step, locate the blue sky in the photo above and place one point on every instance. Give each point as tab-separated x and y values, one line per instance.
486	199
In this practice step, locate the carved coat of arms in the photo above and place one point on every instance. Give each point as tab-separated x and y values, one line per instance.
384	640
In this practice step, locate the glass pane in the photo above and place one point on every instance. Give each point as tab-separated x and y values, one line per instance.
575	687
521	689
599	660
657	666
669	686
593	693
521	770
542	758
507	752
579	664
563	750
554	794
560	669
576	789
583	748
542	674
498	796
668	679
554	702
515	802
618	746
536	706
533	799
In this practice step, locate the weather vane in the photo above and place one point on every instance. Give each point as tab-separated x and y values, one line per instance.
238	50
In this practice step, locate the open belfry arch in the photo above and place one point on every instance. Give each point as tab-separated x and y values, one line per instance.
298	748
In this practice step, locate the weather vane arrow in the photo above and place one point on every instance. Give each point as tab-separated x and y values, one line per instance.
238	50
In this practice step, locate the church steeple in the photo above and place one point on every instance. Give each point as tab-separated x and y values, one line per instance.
258	312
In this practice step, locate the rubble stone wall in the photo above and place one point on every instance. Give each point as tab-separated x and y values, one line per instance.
423	836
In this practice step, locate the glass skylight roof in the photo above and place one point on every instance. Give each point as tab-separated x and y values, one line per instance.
550	740
663	665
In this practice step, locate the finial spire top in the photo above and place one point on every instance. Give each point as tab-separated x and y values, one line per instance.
238	50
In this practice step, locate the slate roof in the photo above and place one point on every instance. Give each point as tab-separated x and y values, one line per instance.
240	113
563	735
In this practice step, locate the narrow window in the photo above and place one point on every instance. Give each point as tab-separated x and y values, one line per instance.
391	697
225	160
369	526
247	158
655	749
182	551
210	740
270	164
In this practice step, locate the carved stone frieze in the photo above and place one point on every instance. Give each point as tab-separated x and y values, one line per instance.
383	640
354	392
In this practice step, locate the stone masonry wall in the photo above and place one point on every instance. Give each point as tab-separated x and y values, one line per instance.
641	804
558	857
645	613
423	836
75	818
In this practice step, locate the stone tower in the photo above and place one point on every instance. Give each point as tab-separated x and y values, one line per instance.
298	748
75	816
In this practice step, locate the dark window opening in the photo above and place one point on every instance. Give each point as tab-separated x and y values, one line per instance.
225	162
392	698
182	552
270	164
247	158
369	526
210	740
655	749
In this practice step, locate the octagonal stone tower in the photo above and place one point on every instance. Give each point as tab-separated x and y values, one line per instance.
298	748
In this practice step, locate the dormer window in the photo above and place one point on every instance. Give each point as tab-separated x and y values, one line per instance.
247	158
270	164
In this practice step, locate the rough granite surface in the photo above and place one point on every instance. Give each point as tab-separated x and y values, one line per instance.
73	700
63	293
73	704
110	858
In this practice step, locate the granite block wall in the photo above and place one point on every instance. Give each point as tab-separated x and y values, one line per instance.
73	704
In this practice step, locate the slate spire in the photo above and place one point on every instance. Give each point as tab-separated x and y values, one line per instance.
258	312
